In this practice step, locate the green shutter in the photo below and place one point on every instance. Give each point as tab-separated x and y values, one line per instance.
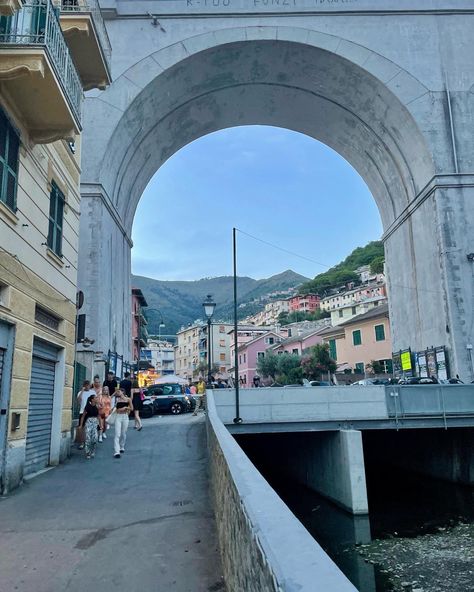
379	333
9	150
332	349
356	337
56	214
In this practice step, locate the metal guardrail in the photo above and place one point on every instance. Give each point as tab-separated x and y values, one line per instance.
37	24
93	7
430	400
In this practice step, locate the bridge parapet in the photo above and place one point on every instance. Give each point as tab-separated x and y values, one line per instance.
334	408
263	545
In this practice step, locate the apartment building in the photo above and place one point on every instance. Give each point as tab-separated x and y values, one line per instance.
353	296
349	311
48	55
270	314
305	303
357	342
191	351
160	354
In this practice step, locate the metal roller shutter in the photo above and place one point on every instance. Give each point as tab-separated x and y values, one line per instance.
40	407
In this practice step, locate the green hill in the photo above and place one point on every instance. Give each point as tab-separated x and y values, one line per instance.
180	302
372	254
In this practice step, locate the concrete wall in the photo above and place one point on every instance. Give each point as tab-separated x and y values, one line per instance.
442	454
266	405
263	546
331	463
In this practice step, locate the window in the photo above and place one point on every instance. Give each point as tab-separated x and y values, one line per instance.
332	349
379	333
222	357
222	342
360	368
354	310
56	210
341	314
221	329
356	337
9	148
295	351
260	355
387	366
245	358
240	359
269	340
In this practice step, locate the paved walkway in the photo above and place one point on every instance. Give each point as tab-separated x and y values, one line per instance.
142	523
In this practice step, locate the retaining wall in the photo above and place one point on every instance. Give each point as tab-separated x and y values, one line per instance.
263	546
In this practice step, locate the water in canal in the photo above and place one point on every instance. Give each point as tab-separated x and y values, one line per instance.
402	504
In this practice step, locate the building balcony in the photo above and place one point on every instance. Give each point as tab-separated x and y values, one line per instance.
86	35
37	73
8	7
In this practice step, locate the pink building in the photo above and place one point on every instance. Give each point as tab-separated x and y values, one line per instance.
298	343
249	354
305	302
138	322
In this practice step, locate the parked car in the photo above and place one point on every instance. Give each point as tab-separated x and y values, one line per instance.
371	382
147	409
168	398
319	383
419	380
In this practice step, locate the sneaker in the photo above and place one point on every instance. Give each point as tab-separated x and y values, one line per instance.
100	438
88	456
104	436
81	447
117	455
122	450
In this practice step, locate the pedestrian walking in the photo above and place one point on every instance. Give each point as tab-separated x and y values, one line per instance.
110	382
104	403
123	406
97	387
126	384
137	402
201	391
82	397
90	420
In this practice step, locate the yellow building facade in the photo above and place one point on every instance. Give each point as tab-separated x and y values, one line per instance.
42	78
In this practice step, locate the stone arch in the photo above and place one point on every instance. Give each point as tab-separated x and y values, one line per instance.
391	134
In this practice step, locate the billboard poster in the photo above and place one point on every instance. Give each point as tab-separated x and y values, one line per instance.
422	367
431	363
397	365
406	362
441	363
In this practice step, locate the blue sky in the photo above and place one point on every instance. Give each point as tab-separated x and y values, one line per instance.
278	185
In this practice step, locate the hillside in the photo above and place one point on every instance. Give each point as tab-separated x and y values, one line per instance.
372	254
180	302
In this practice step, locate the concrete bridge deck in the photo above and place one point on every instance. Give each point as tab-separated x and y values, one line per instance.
343	408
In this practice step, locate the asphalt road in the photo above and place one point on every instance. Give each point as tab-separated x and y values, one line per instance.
141	523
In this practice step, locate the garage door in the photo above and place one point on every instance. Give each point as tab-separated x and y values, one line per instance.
40	407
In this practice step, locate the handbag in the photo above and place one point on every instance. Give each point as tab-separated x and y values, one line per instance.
80	435
111	418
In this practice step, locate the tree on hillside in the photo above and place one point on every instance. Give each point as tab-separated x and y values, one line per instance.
376	265
285	318
318	361
343	272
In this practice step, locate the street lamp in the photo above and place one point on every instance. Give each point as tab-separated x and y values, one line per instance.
209	307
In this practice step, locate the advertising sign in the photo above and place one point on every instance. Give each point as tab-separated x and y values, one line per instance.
405	359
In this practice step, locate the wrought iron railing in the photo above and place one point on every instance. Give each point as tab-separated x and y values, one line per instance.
37	24
93	7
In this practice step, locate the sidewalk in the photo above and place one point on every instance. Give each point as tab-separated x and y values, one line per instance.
142	523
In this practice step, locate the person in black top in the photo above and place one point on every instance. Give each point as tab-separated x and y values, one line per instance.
126	384
90	418
111	382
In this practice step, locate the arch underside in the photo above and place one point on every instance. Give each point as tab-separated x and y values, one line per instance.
278	83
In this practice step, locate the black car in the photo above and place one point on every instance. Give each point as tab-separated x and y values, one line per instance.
168	398
419	380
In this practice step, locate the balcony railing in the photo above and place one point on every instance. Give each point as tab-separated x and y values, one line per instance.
37	25
93	7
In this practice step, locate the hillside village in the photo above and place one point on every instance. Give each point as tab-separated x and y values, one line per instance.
348	319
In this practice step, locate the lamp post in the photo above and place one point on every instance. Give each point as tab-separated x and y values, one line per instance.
209	307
